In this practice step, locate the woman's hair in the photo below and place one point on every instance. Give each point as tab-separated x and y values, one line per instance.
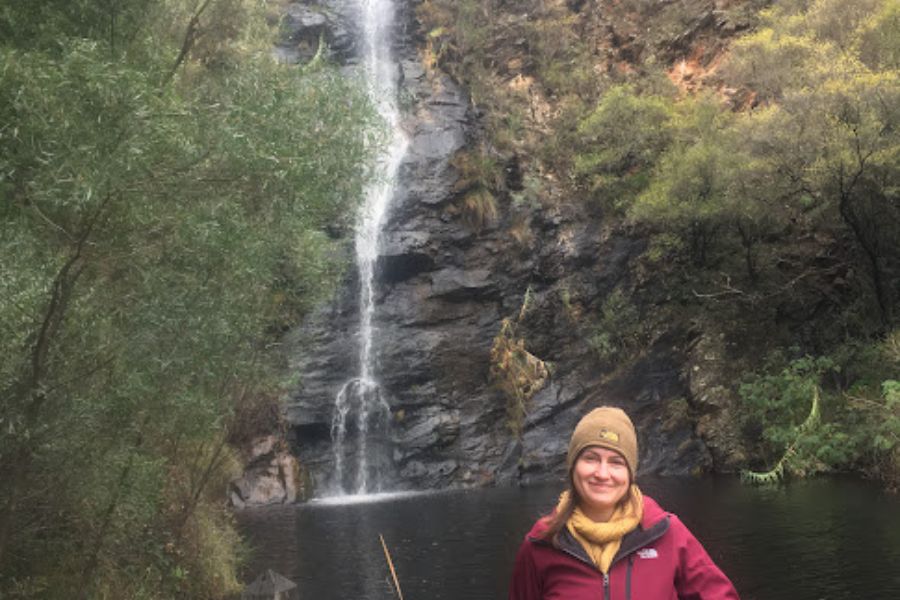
556	521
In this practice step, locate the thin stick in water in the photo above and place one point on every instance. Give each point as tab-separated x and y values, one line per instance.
390	563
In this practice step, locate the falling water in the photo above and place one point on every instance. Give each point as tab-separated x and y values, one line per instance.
362	394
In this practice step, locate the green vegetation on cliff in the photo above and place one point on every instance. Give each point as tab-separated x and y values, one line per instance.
816	158
164	189
806	424
754	145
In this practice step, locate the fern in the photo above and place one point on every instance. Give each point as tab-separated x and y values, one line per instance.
777	473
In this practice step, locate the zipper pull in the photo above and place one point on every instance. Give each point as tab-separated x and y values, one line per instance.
606	586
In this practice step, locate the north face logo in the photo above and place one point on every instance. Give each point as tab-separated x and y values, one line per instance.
648	553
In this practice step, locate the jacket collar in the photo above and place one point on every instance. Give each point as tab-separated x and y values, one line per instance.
631	542
654	525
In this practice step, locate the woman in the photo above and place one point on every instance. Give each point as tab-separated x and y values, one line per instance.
607	541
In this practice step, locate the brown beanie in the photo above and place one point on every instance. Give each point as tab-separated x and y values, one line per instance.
607	427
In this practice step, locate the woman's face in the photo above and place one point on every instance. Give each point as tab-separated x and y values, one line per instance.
601	479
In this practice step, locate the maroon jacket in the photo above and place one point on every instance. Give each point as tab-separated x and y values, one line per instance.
660	560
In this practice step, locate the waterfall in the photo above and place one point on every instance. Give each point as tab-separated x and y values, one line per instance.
360	400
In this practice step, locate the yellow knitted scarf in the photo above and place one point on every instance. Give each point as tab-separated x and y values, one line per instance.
602	540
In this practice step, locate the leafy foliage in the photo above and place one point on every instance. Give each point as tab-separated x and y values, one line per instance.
164	197
818	152
616	331
857	427
618	161
787	407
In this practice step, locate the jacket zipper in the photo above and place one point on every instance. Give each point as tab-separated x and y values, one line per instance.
606	589
628	577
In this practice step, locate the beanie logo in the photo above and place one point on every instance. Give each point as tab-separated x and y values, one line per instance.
609	436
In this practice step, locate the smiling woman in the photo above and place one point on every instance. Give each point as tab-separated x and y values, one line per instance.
601	478
605	539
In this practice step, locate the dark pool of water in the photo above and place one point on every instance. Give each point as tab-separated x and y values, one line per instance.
815	540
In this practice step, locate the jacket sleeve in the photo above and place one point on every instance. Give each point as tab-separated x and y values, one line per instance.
698	577
525	583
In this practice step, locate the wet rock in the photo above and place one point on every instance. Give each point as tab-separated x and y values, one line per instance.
437	130
325	354
708	365
455	283
547	402
272	476
404	254
430	475
306	23
428	428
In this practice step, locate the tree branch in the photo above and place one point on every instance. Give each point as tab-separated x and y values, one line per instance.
190	37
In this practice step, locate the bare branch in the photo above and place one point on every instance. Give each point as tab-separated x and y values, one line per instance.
190	38
728	290
43	216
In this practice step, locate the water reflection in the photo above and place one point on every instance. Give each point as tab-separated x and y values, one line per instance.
825	539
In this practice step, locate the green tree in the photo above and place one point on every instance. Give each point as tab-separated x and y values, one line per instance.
830	143
820	149
165	187
615	161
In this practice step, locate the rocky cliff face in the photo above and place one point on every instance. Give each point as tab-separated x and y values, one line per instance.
445	286
271	476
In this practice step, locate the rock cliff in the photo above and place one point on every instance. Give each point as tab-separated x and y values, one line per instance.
445	285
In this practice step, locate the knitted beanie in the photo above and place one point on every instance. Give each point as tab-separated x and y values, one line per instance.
607	427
